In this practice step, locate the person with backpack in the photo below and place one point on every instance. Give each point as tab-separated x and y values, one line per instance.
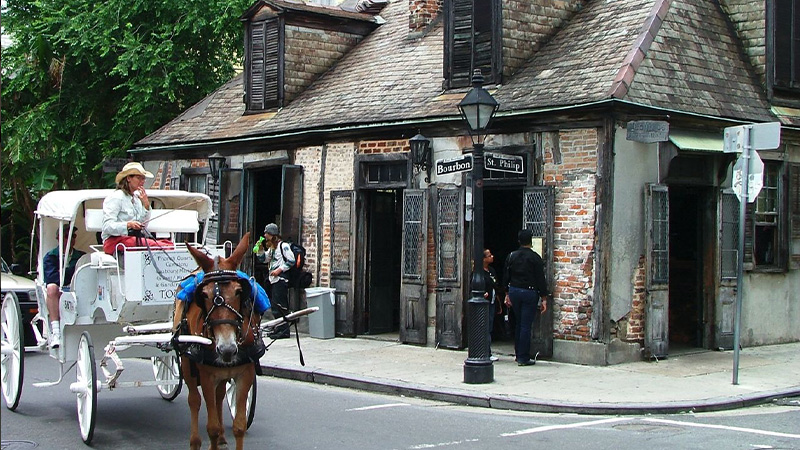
278	256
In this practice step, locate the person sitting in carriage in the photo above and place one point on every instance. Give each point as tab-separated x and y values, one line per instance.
126	210
52	280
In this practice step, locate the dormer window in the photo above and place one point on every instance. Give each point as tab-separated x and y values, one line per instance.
783	46
472	41
264	65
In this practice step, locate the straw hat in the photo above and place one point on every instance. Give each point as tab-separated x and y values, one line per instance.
132	168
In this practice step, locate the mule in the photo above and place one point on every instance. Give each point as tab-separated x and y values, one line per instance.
222	309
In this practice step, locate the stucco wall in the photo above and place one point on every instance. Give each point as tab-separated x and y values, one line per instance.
635	164
770	315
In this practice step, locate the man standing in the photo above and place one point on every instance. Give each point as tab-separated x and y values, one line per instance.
526	295
52	281
279	258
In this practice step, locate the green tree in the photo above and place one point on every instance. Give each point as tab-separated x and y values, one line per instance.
84	79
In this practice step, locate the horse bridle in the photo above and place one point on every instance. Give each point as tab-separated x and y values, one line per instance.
226	276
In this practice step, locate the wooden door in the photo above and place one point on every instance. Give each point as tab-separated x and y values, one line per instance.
413	284
292	203
537	211
449	226
343	259
725	304
656	339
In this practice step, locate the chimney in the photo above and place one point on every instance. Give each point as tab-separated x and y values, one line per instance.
422	13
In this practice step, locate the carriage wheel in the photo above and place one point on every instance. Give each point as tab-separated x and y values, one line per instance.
13	351
250	410
167	368
86	387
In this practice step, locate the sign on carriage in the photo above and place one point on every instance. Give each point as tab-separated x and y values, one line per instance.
503	163
159	272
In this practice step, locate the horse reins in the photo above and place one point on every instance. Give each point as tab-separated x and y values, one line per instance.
225	276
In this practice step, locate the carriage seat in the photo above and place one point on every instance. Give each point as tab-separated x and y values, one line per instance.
162	221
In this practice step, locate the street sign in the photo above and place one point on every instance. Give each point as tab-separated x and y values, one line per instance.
503	163
648	131
755	177
763	136
454	165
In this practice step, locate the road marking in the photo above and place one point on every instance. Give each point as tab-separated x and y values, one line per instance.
725	427
442	444
367	408
562	427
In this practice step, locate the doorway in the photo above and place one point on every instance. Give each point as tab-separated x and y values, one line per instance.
266	204
686	224
502	220
384	215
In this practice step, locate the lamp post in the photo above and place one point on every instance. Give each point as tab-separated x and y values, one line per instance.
477	109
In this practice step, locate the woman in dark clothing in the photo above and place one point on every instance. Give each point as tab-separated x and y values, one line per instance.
526	294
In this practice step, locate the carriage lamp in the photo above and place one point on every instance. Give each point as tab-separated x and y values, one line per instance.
216	163
421	154
477	109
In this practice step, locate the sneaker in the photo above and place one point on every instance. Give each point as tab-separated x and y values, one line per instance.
529	362
493	358
55	339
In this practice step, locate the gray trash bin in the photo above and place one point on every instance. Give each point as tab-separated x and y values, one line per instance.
321	324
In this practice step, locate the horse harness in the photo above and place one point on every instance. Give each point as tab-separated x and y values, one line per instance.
249	352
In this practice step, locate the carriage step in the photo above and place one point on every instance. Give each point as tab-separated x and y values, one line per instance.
148	328
160	338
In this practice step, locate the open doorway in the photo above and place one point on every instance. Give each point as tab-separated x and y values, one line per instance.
266	206
384	214
502	220
686	213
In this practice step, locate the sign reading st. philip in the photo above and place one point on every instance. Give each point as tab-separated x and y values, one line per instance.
454	165
503	163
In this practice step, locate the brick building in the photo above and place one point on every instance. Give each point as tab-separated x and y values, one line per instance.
638	229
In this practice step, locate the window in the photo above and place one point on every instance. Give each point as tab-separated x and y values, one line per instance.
472	41
388	173
765	217
784	51
264	65
729	235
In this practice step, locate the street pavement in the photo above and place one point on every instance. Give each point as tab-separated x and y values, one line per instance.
696	381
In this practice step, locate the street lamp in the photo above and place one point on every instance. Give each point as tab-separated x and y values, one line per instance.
477	109
216	163
421	154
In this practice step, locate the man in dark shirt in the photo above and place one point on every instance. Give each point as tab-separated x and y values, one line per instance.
52	281
526	294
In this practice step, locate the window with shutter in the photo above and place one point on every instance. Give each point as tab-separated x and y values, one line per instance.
472	41
766	231
263	77
785	41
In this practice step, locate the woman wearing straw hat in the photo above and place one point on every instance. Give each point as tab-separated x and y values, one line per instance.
125	209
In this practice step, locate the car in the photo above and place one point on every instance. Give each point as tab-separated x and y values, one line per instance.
25	289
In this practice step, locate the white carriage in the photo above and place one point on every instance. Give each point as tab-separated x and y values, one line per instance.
123	304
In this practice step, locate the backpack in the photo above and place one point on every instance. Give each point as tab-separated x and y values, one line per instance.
297	277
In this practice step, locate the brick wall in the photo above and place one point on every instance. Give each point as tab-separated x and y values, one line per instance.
527	24
573	229
310	52
422	13
749	21
310	159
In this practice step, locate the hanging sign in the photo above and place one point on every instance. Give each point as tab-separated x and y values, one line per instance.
503	163
454	165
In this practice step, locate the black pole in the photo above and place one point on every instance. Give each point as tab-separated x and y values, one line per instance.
478	367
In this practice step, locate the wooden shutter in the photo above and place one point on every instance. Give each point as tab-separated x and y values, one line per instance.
472	40
413	287
263	65
794	209
786	43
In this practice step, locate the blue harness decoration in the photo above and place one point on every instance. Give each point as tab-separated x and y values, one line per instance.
257	293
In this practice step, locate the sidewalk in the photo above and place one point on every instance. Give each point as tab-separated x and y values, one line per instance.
700	381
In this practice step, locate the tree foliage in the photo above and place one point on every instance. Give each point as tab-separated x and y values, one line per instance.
83	80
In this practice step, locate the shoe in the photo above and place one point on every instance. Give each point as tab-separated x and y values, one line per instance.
493	358
279	335
55	339
529	362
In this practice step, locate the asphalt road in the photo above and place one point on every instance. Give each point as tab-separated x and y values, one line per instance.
293	415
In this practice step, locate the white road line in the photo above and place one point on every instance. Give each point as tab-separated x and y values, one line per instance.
388	405
442	444
562	427
725	427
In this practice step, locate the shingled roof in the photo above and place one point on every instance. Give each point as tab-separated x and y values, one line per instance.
679	55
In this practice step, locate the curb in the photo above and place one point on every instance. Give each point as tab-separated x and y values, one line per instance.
516	403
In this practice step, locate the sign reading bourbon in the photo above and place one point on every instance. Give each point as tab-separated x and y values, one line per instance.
503	163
